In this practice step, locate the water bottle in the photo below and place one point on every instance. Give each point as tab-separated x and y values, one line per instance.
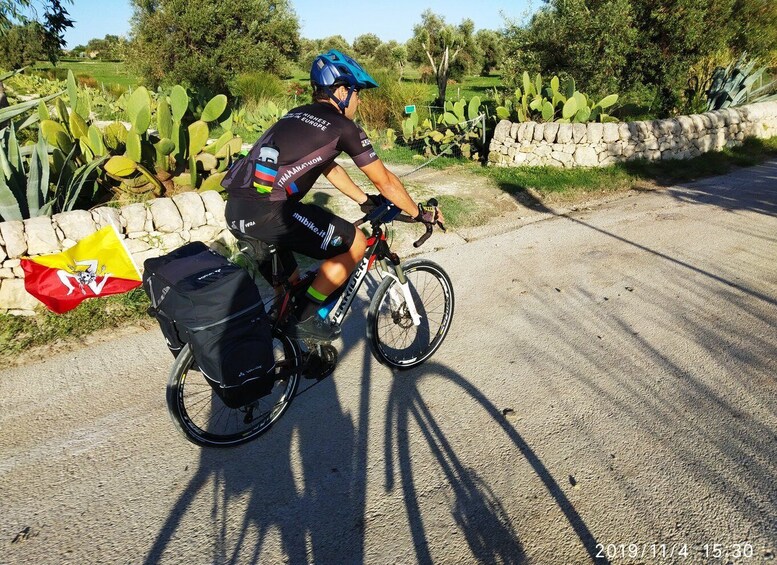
269	154
266	169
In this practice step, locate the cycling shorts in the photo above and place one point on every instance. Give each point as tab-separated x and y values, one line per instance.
303	228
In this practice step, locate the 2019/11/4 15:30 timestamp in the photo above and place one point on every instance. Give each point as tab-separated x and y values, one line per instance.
674	550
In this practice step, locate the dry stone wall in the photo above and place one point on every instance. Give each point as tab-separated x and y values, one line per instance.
149	229
599	145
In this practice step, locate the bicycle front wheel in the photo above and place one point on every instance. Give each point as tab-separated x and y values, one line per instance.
200	415
394	338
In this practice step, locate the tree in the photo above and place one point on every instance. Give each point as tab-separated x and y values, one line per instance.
438	43
54	21
391	55
755	29
366	44
492	52
590	41
205	43
110	48
22	45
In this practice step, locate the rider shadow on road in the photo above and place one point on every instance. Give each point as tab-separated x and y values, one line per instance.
298	491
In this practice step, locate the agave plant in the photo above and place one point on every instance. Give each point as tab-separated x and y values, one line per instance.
740	83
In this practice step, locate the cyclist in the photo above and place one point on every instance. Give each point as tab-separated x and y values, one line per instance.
266	187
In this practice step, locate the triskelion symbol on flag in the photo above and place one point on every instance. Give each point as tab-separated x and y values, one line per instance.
85	278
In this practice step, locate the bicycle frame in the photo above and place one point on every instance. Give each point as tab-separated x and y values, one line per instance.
377	250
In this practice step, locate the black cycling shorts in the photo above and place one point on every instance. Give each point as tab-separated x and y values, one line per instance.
303	228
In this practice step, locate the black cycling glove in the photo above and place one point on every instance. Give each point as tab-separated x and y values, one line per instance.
426	215
372	202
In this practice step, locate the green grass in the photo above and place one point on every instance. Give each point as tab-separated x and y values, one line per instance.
20	333
462	212
104	72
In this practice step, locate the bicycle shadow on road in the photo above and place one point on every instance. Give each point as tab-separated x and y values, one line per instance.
477	510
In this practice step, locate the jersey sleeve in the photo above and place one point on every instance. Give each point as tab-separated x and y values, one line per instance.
357	145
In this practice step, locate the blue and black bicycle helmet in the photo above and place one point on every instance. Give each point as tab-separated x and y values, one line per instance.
333	69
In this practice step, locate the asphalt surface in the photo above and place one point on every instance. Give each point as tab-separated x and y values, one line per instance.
607	393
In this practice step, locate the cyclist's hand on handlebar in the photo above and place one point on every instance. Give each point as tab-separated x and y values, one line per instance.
430	214
372	202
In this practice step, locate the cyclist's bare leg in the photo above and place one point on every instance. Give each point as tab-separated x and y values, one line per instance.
335	271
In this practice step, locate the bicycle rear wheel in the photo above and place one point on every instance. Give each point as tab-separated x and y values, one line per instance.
394	339
200	415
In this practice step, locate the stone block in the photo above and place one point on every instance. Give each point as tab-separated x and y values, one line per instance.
624	132
3	254
107	216
520	158
167	218
502	130
615	149
551	130
41	238
585	156
13	296
579	133
539	132
514	130
191	208
594	132
698	123
136	218
519	135
643	130
137	245
564	134
565	159
528	133
686	125
75	225
170	241
610	133
207	233
214	204
13	238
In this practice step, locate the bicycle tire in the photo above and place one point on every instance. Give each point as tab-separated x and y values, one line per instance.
390	328
200	415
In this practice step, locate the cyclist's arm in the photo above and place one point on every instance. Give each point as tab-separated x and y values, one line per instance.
390	186
342	181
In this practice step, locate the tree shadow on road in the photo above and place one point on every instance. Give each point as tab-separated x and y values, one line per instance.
753	189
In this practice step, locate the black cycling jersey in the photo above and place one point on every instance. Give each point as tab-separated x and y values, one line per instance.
308	138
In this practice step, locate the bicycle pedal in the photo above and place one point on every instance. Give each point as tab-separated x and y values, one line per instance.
320	366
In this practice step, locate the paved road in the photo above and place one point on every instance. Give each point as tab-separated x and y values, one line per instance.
609	380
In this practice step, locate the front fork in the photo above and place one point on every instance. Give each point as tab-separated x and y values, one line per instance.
399	293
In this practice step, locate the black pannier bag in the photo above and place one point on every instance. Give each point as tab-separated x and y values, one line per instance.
202	299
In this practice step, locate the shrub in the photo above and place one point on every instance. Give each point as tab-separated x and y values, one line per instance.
86	80
384	107
253	87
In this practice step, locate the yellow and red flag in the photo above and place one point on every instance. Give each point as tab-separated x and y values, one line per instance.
98	265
